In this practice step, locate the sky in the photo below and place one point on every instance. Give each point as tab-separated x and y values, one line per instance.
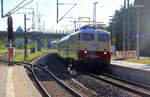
47	11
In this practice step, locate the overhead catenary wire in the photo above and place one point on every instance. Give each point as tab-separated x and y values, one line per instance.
15	7
45	5
67	12
21	7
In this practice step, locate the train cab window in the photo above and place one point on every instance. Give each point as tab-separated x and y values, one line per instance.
103	37
87	37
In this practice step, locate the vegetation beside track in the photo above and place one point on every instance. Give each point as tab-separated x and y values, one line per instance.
113	57
3	52
134	60
32	56
142	61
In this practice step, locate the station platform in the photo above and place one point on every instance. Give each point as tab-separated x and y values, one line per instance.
132	65
131	71
14	82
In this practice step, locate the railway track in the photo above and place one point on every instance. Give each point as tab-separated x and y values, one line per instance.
127	81
71	91
43	90
136	88
30	67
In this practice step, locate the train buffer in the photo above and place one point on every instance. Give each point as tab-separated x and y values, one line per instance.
14	82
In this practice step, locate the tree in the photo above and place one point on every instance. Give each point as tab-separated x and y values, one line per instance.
19	41
116	28
44	43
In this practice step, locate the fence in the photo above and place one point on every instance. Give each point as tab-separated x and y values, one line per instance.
126	54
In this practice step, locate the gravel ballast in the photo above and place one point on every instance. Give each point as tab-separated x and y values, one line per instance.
86	85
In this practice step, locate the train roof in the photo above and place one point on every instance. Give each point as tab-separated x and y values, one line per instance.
95	31
85	31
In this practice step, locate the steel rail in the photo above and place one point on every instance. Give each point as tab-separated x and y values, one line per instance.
46	94
31	68
64	85
128	81
144	94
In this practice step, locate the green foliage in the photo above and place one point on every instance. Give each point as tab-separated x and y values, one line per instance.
33	45
19	29
142	61
117	24
32	56
2	45
3	52
19	42
107	28
44	43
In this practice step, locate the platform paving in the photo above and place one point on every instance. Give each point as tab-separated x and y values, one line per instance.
14	82
3	80
132	65
131	71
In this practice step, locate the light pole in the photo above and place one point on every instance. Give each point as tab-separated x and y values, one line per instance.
114	31
94	14
128	24
25	38
124	26
137	30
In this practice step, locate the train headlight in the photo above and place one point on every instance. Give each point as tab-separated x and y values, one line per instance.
85	52
105	53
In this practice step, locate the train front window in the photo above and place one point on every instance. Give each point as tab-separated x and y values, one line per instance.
103	37
87	37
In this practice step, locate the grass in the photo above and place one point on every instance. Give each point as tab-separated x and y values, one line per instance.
3	52
32	56
113	57
134	60
143	61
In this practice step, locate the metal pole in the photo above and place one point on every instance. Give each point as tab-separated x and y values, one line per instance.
75	25
114	38
124	26
10	52
10	40
128	27
25	38
33	24
137	29
115	31
94	14
57	11
2	9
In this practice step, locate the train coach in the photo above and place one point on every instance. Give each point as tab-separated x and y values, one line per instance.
87	49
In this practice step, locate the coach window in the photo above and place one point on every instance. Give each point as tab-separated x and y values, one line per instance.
87	37
103	37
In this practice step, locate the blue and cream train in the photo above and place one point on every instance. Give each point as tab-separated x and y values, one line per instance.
87	49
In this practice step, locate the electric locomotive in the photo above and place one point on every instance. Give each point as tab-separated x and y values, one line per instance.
87	49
